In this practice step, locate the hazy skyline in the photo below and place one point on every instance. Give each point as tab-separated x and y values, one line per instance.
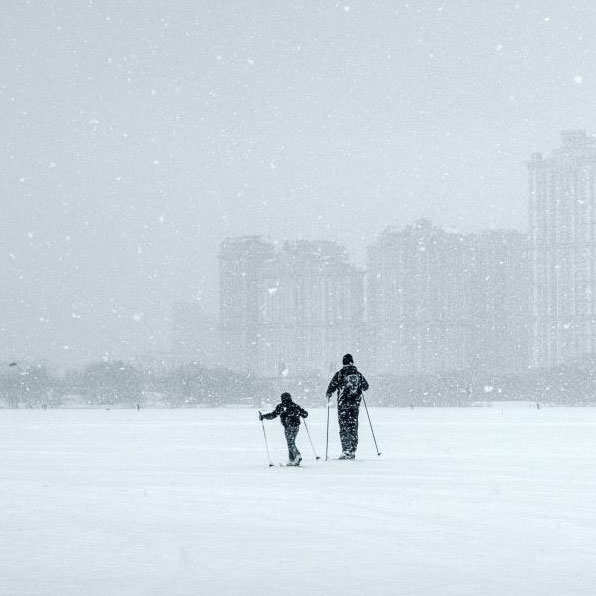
136	137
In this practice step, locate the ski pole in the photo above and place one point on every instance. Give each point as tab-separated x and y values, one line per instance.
327	440
266	444
311	443
371	427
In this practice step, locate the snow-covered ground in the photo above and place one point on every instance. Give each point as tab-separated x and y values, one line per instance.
462	501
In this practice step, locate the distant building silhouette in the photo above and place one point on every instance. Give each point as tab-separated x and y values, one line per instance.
562	210
499	301
418	300
289	310
243	268
441	301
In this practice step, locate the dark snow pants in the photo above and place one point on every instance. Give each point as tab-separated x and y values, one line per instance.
348	427
291	432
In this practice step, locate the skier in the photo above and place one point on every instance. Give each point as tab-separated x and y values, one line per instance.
290	414
349	383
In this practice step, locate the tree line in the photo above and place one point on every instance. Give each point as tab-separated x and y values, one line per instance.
104	384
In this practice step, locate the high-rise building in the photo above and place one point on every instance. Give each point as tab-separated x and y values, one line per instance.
562	216
441	301
244	263
499	301
313	308
418	300
289	310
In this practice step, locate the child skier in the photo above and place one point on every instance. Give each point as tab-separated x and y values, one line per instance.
290	414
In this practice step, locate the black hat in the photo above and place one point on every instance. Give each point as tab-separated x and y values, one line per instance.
348	359
285	397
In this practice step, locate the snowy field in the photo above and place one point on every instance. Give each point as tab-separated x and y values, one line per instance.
462	501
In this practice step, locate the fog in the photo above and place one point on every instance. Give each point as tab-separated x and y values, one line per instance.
136	137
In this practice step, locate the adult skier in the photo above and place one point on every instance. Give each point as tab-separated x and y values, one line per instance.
289	414
349	384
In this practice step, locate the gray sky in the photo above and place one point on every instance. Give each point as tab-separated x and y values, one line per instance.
135	136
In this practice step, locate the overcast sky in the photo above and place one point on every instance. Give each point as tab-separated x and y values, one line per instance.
135	136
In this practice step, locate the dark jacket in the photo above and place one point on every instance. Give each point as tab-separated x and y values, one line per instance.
350	383
289	412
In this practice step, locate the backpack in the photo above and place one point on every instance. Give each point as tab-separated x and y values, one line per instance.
352	384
